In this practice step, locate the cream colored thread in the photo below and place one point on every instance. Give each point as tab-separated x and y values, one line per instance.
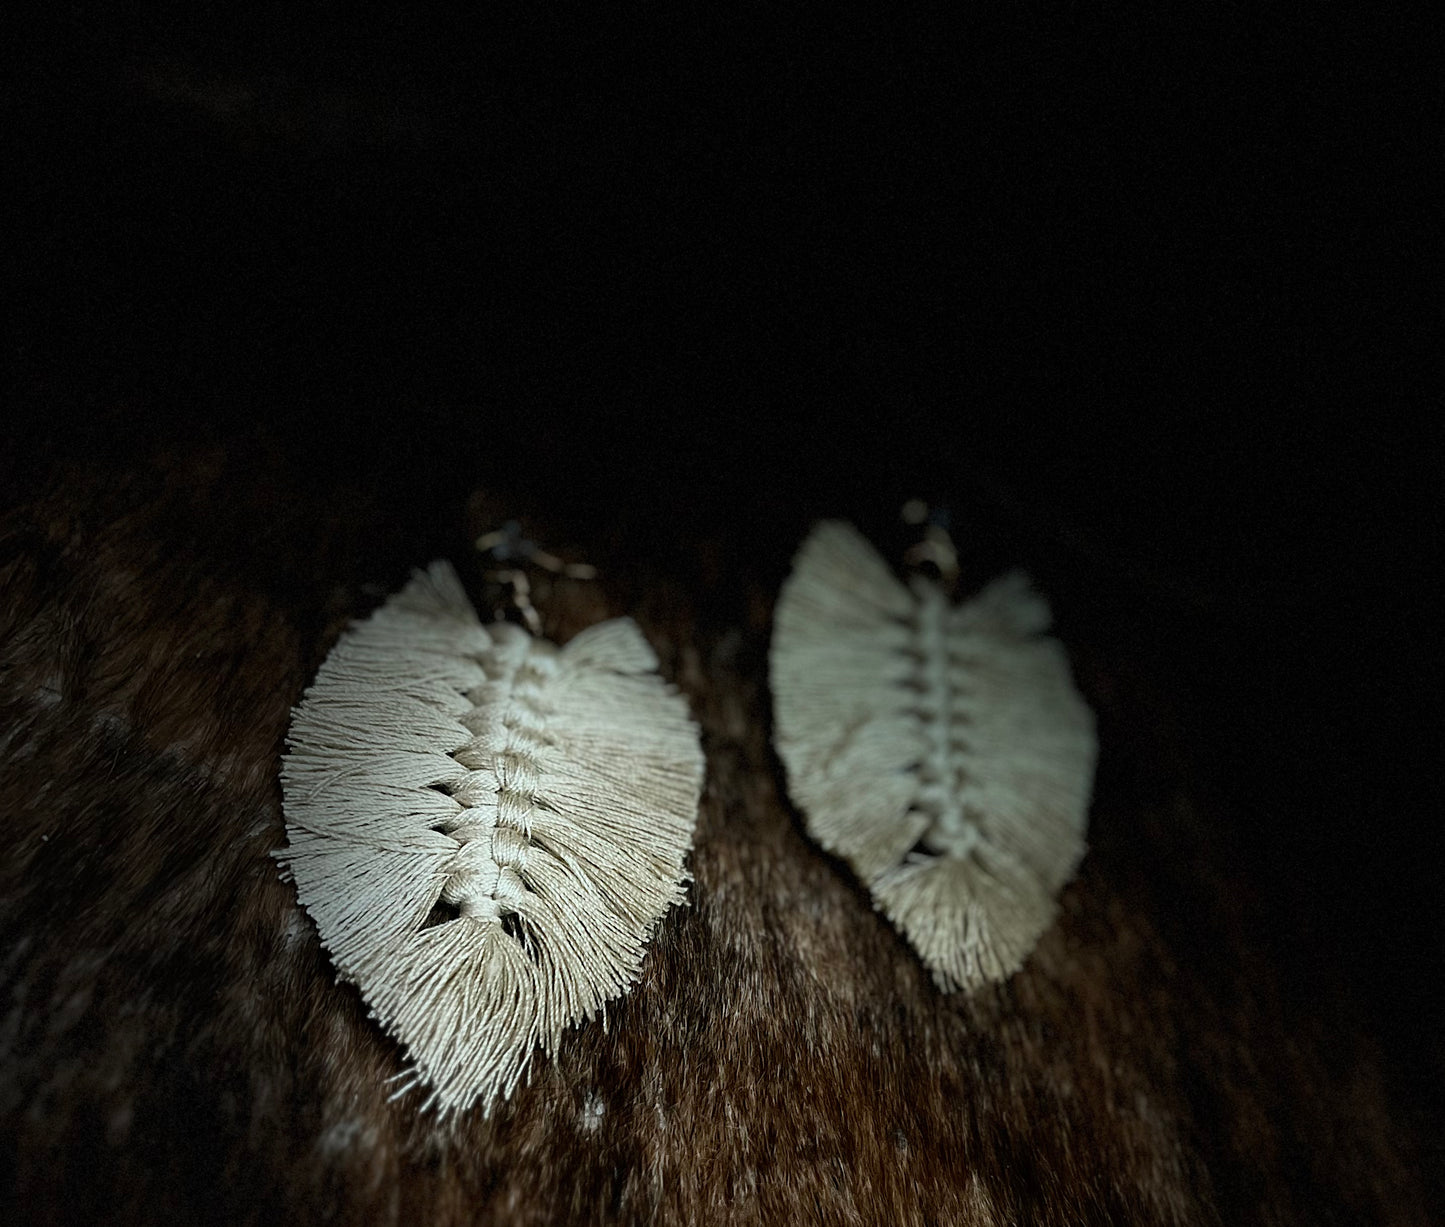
434	758
942	750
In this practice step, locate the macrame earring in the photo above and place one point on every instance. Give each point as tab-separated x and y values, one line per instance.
485	827
940	749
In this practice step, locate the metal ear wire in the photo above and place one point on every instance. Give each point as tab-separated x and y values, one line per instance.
508	544
937	547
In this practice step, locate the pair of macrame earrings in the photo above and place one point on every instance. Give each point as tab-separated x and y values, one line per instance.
487	828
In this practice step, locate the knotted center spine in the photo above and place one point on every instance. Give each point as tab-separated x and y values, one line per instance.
943	727
487	877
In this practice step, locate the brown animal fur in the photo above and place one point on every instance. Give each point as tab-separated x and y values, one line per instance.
174	1047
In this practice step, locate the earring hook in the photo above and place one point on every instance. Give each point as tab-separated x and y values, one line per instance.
937	547
507	544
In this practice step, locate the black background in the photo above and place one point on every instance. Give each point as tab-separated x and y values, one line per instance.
1151	295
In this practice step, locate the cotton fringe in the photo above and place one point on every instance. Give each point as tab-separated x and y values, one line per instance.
547	795
941	750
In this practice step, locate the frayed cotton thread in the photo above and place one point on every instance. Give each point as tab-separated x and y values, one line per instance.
942	750
547	794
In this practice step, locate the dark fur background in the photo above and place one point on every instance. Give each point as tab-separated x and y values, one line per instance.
298	312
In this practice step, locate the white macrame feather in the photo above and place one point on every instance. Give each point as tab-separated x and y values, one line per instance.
548	794
942	750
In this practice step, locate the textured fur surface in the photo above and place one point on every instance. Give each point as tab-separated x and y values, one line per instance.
175	1047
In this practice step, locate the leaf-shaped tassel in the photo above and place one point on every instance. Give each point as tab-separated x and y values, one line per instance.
548	795
942	750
